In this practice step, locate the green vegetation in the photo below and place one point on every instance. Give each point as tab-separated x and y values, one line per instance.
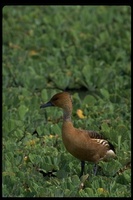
82	49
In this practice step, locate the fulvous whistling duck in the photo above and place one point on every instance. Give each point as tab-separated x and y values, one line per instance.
85	145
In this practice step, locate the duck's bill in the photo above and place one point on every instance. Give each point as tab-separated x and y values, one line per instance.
48	104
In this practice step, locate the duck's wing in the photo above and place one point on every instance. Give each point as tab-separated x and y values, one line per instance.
95	135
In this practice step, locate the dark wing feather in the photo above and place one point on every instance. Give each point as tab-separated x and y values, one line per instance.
95	135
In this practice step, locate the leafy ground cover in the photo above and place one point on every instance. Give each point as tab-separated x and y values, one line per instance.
82	49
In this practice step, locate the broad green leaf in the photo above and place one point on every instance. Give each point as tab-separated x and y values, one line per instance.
56	129
89	100
44	95
105	93
105	128
22	110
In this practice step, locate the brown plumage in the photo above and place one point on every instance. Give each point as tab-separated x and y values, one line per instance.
83	144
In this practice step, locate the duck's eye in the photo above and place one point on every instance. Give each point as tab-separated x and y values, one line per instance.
55	99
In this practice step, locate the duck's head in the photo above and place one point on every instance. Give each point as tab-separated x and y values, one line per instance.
62	100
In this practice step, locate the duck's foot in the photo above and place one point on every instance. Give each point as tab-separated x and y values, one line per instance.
82	168
95	169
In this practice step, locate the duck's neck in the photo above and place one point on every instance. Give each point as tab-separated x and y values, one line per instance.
67	114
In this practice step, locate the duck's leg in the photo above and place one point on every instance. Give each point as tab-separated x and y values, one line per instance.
82	168
95	169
